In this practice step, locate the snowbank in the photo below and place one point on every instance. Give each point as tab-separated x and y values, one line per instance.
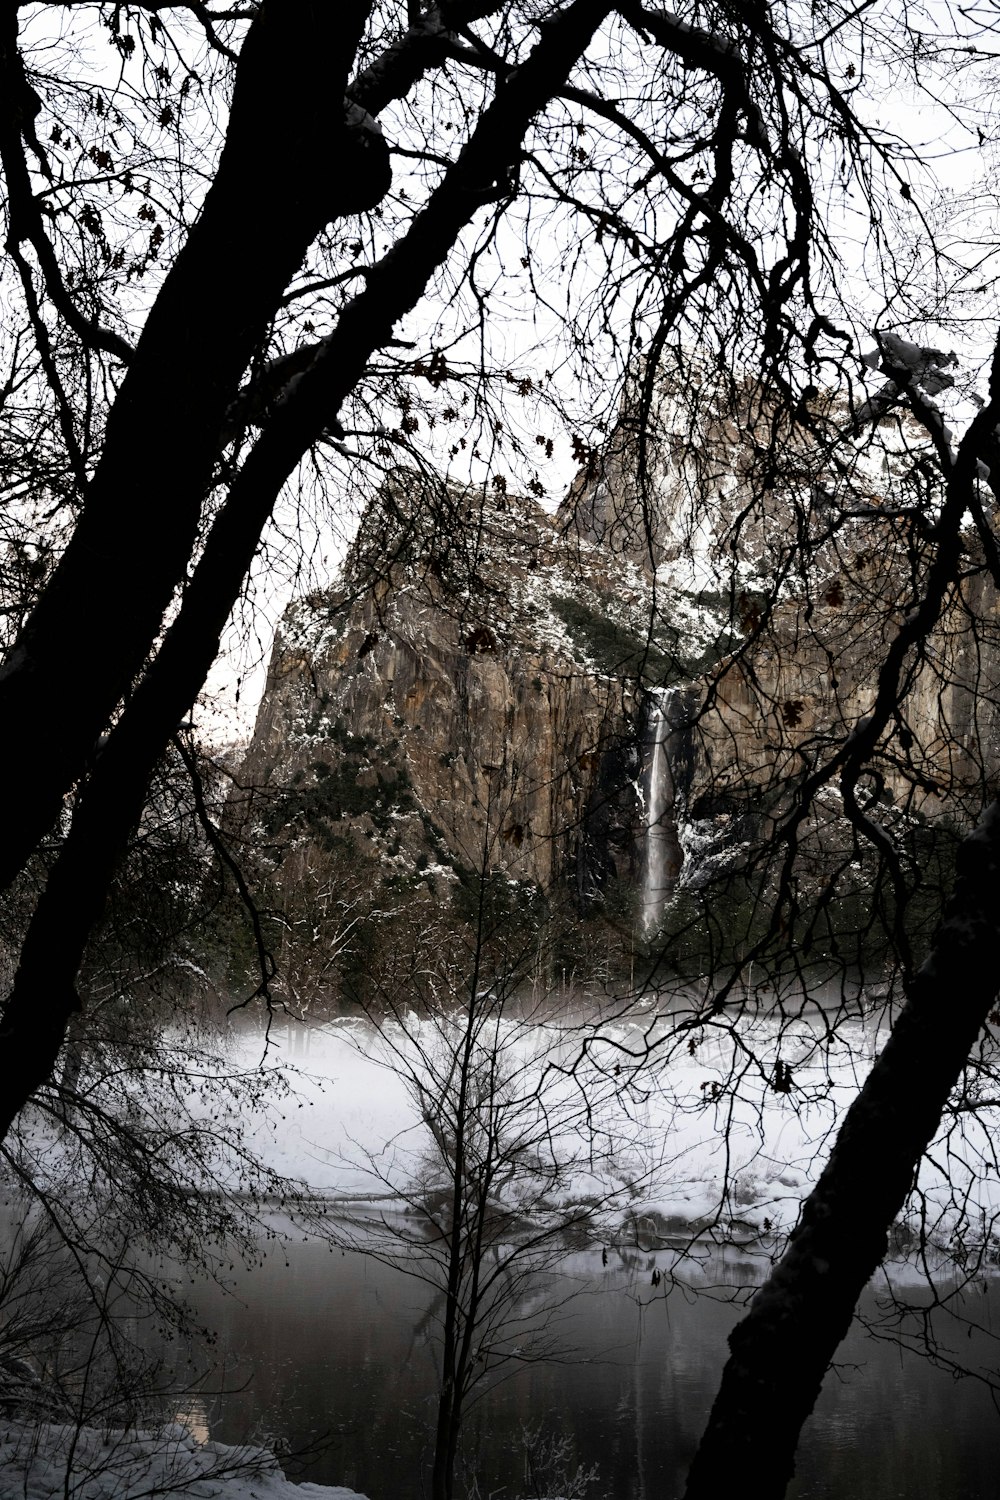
35	1462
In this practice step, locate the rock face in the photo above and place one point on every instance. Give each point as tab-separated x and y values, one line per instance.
470	696
815	562
480	691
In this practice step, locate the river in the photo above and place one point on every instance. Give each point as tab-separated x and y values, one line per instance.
335	1352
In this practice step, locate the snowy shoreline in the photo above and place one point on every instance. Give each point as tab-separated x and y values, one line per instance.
130	1464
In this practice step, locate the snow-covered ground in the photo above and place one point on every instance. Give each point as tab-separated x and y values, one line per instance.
49	1461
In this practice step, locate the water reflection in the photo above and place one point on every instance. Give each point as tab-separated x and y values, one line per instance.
192	1414
342	1356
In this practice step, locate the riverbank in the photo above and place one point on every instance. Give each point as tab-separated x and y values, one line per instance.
36	1461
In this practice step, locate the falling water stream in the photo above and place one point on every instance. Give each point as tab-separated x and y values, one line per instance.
661	839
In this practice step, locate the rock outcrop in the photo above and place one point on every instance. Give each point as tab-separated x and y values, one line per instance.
476	693
470	696
815	553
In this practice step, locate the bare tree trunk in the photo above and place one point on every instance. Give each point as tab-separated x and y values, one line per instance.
782	1348
274	191
445	1443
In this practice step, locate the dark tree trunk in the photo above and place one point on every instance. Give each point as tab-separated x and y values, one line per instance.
782	1348
274	190
445	1444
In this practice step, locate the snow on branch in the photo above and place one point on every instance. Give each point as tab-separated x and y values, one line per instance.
910	367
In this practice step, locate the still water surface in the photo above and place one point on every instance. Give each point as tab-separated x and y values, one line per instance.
338	1347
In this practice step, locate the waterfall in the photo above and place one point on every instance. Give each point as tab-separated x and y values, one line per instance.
661	837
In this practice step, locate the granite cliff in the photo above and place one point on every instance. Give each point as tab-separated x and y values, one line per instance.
490	688
470	696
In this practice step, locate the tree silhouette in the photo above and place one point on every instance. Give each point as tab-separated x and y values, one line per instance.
268	249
